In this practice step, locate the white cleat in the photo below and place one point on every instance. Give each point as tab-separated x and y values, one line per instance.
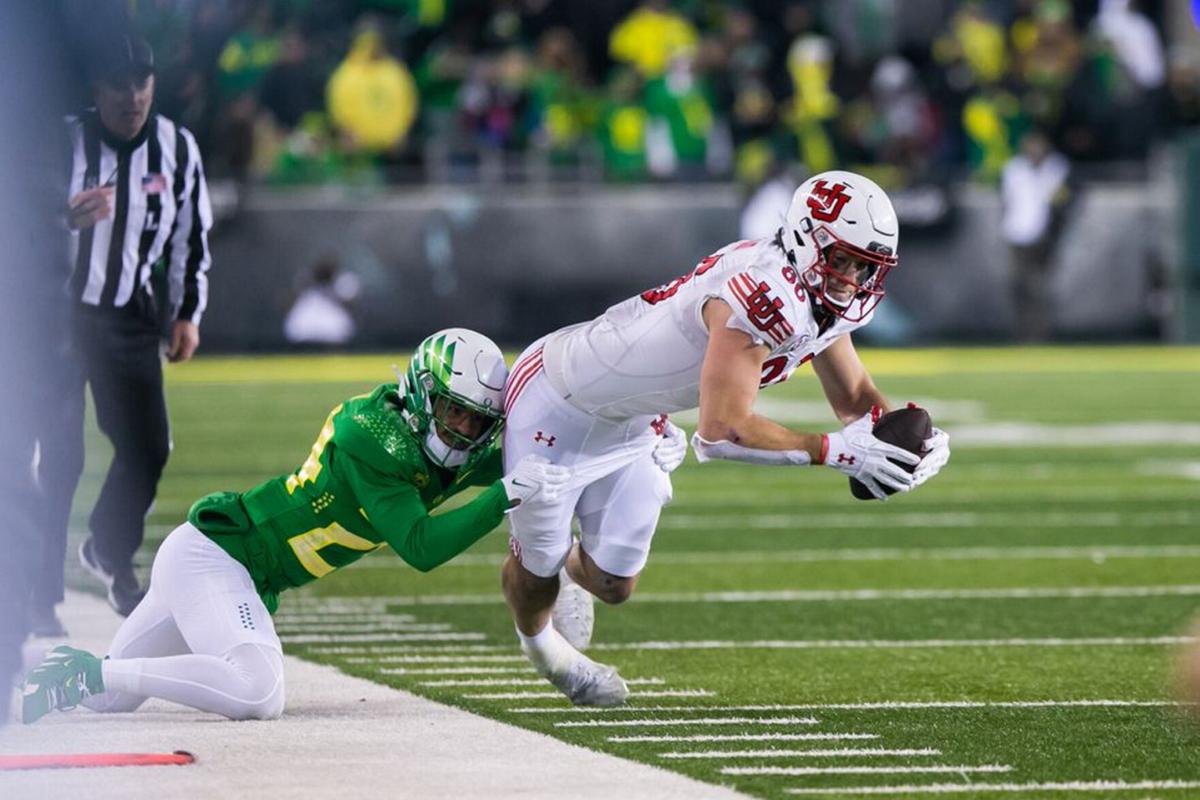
573	615
588	683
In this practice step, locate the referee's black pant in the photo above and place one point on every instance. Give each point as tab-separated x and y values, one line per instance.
118	355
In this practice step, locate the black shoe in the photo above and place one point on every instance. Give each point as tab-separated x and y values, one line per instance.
124	594
45	624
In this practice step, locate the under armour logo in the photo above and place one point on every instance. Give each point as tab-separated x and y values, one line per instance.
549	440
845	459
826	202
659	424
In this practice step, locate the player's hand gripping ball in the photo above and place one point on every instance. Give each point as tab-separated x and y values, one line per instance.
907	428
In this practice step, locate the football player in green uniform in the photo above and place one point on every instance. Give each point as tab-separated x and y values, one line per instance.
203	635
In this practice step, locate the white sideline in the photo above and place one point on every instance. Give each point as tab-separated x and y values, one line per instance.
339	734
975	788
482	682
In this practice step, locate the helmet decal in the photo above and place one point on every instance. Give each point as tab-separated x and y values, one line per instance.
826	202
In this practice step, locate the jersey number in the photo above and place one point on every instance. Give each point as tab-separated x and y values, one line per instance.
668	290
773	369
306	545
311	467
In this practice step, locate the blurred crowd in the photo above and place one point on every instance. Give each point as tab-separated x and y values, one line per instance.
308	91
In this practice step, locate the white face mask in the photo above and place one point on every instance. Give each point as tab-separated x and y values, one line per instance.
442	453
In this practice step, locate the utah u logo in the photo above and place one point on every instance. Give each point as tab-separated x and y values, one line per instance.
549	440
764	309
827	202
845	459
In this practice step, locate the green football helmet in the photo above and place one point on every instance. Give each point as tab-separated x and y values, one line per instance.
453	394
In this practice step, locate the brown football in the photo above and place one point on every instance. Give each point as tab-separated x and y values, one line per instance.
905	427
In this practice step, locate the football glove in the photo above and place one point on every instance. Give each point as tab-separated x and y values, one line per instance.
671	448
534	476
937	453
855	451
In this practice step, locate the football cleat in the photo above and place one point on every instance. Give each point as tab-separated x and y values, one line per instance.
573	614
61	681
124	594
590	683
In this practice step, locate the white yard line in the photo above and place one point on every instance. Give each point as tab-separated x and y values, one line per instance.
932	769
480	670
461	659
559	696
312	638
933	519
641	709
896	644
841	595
907	704
843	752
652	723
749	737
380	625
1096	553
1022	788
482	682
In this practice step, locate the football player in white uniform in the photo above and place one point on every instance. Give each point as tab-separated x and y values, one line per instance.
594	397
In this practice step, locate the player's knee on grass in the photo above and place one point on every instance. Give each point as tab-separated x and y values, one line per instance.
261	695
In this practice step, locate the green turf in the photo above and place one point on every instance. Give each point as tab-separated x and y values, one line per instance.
1122	517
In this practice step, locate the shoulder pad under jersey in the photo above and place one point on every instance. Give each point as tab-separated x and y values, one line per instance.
765	305
370	429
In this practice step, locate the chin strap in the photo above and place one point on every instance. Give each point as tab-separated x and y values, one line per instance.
724	449
442	453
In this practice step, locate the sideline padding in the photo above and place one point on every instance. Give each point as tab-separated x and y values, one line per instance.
88	760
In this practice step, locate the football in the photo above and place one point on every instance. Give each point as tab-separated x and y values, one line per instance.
905	427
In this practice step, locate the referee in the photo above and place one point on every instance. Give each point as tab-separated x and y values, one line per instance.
136	198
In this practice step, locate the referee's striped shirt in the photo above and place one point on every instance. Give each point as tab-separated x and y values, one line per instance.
160	210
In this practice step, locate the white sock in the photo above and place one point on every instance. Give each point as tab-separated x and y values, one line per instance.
547	649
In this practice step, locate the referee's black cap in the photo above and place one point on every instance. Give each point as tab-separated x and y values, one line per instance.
120	56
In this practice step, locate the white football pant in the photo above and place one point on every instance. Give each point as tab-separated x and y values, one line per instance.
201	637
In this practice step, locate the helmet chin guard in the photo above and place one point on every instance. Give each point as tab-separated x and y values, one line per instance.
841	231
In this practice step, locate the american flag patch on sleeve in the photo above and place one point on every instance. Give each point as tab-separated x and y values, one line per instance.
154	182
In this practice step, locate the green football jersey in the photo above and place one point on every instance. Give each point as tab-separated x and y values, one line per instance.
366	484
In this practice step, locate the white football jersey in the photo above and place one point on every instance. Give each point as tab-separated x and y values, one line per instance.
643	356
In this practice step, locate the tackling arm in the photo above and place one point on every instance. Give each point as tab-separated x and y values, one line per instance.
395	509
847	385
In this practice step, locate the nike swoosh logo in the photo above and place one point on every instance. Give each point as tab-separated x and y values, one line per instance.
522	485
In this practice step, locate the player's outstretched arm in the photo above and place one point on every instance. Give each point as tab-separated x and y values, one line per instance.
729	380
847	384
395	509
729	428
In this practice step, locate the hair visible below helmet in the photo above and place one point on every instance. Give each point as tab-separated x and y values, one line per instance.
463	368
842	212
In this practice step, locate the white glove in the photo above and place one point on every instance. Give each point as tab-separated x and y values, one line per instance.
938	453
671	448
534	476
855	451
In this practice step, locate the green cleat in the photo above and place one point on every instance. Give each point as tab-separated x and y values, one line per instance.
61	681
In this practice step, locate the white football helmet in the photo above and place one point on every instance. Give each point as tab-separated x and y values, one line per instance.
453	394
841	233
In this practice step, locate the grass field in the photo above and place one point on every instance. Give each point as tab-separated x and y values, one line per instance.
1010	625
